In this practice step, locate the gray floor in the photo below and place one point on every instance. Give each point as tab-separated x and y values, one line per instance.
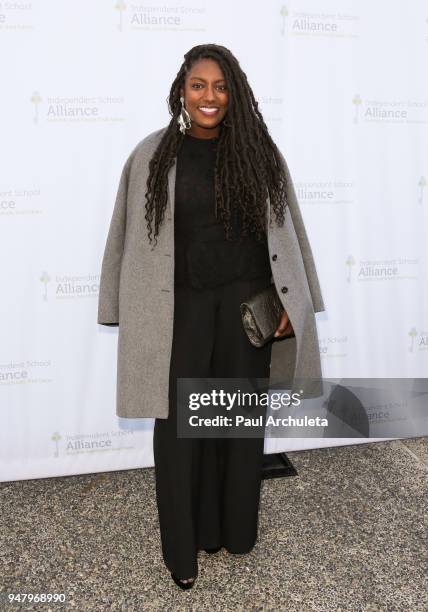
346	534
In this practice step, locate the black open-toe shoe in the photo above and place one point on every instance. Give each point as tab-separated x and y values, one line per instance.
183	585
213	550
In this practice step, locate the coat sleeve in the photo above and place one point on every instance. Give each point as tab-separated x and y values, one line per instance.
305	247
108	300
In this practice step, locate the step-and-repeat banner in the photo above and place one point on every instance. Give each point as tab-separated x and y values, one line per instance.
339	84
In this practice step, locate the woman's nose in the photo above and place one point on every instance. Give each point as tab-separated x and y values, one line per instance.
210	93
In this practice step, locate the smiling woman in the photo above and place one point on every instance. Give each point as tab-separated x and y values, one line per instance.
206	96
220	223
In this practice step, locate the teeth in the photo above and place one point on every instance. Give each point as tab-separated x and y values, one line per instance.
209	110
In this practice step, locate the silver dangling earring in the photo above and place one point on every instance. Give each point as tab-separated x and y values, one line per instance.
183	120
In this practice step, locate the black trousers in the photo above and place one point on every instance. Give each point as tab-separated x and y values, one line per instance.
208	489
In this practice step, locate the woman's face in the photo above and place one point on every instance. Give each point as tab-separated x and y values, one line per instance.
205	97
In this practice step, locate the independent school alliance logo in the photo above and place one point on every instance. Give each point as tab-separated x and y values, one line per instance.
284	14
337	191
389	111
16	16
164	17
77	109
19	201
120	7
381	270
418	340
69	287
272	108
35	101
333	346
28	371
95	442
332	24
56	437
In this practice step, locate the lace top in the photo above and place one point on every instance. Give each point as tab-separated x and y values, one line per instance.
203	256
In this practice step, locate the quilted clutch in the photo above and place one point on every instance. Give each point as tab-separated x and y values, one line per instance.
261	315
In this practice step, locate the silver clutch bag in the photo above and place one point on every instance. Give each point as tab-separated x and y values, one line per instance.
261	315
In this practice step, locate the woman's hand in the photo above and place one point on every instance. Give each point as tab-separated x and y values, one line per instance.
284	328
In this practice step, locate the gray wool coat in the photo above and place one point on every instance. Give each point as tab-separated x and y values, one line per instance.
137	293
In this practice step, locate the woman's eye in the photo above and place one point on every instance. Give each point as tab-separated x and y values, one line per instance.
197	85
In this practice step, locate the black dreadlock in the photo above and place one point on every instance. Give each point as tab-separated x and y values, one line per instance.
248	164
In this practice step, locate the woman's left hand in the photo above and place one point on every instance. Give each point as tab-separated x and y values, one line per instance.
284	328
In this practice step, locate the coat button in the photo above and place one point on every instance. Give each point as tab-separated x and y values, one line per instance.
284	289
274	257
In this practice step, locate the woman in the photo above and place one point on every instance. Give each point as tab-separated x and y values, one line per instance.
216	193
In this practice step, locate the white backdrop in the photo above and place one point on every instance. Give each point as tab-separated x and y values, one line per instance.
342	88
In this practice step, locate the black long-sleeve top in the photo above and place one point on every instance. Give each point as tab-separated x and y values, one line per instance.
203	256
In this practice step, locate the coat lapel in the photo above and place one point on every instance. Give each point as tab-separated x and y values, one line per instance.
267	214
171	186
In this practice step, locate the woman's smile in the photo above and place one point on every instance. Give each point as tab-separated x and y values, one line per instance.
208	110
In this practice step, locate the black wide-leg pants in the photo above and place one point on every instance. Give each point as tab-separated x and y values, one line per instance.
208	489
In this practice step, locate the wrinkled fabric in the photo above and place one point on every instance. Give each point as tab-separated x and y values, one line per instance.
208	489
136	290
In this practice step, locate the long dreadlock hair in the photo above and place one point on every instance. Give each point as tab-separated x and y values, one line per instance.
248	163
